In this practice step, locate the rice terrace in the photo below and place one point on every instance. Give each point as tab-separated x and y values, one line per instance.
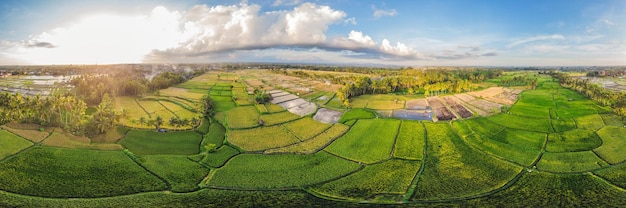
312	137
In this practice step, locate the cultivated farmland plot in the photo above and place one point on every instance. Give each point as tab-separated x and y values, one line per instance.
553	147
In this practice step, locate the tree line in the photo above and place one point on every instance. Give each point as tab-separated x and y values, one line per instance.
615	100
408	81
63	111
92	87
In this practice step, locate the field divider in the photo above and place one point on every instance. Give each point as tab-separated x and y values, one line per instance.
144	109
168	109
607	181
128	154
410	192
29	147
395	141
481	151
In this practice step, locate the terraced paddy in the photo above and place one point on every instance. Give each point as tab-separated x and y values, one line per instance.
542	152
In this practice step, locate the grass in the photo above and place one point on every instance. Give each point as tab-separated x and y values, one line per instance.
390	177
242	117
509	152
461	128
521	139
280	171
615	174
314	144
368	141
11	144
224	106
453	169
411	141
612	120
539	189
60	138
385	104
570	162
178	110
261	138
55	172
215	136
357	113
34	135
484	127
592	122
613	144
278	118
112	135
150	142
574	140
220	156
273	108
522	123
306	128
182	174
562	125
204	127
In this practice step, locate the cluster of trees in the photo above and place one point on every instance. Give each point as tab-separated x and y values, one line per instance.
520	81
261	96
63	111
616	100
92	87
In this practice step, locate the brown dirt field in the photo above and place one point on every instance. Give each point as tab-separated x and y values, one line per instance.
444	114
489	92
418	104
461	110
34	135
487	106
465	97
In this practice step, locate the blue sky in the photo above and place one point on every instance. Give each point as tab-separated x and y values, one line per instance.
407	33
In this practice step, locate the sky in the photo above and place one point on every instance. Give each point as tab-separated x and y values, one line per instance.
393	32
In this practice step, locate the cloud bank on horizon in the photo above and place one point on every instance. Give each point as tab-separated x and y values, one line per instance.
402	33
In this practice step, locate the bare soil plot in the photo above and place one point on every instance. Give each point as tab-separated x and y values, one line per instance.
285	98
303	109
325	115
293	103
417	104
489	92
468	106
487	106
413	114
461	110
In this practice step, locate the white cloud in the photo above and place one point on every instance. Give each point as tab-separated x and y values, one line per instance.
351	21
286	2
534	39
381	12
243	27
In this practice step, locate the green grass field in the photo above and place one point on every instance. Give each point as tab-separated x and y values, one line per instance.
411	141
219	157
242	117
453	169
613	144
150	142
390	177
358	113
306	128
574	140
565	162
278	118
182	174
280	171
314	144
262	138
56	172
11	144
369	140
